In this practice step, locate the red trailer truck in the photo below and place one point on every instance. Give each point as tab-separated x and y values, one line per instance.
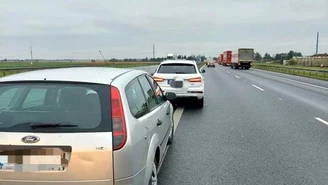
220	59
226	58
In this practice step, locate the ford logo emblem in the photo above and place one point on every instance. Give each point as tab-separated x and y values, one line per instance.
30	139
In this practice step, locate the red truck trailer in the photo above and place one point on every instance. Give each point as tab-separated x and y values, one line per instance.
226	58
220	59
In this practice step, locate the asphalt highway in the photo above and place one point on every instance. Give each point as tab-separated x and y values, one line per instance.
256	127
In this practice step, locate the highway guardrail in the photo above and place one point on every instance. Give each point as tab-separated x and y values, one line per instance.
312	73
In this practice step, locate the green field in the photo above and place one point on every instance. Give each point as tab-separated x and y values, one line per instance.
8	68
310	72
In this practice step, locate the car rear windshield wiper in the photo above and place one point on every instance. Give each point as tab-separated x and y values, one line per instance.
49	125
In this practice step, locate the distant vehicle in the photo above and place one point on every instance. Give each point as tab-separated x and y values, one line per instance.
210	64
226	58
171	56
183	78
98	126
242	58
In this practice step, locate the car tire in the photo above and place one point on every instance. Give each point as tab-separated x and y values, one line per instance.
153	177
200	103
170	141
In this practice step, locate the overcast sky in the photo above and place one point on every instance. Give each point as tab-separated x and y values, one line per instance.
128	28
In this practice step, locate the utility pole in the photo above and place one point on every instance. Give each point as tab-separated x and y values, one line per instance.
317	45
153	50
102	55
31	51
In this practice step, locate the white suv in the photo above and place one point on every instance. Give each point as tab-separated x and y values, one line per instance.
183	78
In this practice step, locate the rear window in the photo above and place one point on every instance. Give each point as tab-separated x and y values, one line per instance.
177	68
83	107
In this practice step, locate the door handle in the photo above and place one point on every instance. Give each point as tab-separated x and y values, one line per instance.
159	122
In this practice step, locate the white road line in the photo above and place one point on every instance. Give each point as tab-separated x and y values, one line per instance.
312	85
228	72
321	120
237	76
257	87
176	117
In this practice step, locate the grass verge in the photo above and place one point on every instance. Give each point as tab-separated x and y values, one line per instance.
309	72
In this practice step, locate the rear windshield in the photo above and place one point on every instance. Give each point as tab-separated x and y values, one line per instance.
76	107
177	68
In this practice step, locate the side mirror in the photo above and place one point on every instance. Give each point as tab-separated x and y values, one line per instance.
202	71
170	96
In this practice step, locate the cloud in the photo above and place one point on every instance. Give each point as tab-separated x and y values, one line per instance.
127	28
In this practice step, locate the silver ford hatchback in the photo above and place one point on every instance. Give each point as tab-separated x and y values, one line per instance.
93	126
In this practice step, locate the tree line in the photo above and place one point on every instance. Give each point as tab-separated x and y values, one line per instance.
278	56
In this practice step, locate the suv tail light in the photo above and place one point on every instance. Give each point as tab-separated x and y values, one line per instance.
197	79
158	79
118	119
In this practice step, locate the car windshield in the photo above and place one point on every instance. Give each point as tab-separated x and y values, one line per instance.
177	69
53	107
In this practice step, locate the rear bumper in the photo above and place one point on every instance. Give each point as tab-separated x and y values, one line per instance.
196	92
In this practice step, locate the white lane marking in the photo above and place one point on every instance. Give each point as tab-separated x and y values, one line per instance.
321	120
244	80
237	76
279	98
228	72
176	117
257	87
304	83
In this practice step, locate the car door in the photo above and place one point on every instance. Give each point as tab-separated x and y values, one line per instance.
163	103
155	108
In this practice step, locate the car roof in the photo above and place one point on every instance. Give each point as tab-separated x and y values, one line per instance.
178	62
99	75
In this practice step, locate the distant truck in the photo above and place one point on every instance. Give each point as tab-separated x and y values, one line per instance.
242	58
227	58
171	56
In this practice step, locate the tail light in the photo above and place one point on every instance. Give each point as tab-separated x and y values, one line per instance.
158	79
197	79
118	119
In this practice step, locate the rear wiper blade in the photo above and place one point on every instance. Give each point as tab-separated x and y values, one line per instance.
180	73
49	125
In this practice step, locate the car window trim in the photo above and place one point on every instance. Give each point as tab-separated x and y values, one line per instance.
125	89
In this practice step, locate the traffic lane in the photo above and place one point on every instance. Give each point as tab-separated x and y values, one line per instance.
246	136
293	77
314	97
